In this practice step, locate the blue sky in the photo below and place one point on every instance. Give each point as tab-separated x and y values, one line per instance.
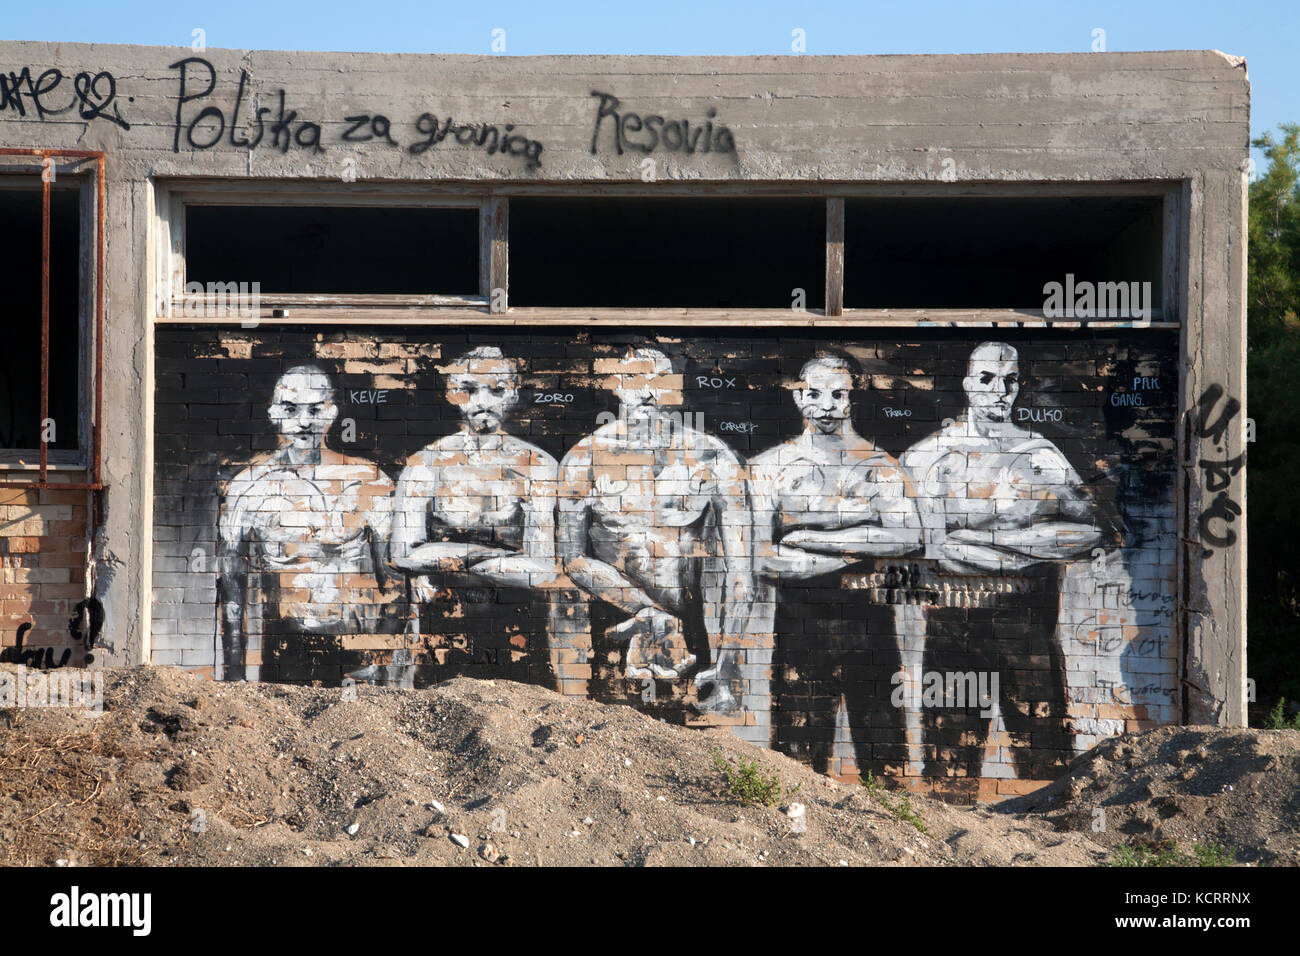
1266	32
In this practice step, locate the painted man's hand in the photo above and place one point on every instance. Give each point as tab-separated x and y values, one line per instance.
656	644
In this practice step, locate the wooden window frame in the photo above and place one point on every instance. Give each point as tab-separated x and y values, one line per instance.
493	201
170	278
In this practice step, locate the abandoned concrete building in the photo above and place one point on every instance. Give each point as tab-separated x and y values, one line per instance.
886	410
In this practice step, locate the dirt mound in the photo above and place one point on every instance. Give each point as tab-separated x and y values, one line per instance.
179	770
1182	786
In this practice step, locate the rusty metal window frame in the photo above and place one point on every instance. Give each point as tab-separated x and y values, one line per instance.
92	464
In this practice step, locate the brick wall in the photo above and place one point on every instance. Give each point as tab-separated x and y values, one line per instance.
42	575
291	568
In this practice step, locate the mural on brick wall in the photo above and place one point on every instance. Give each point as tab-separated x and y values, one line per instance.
655	522
945	558
303	535
997	499
474	511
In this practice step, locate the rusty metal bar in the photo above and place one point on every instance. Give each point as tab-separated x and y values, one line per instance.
66	153
53	485
101	197
100	243
45	314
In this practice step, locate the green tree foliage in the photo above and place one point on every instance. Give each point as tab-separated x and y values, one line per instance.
1273	369
1274	240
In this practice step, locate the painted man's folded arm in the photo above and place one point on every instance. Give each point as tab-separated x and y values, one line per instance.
445	556
793	564
412	551
968	558
1015	548
533	566
596	577
862	540
606	582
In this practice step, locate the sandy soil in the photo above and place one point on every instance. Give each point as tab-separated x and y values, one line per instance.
1183	785
183	771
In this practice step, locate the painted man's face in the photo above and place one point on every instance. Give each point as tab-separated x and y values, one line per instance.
992	383
484	393
644	384
824	399
303	409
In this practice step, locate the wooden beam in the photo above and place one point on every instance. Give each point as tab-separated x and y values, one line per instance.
496	212
197	191
1170	232
677	318
834	256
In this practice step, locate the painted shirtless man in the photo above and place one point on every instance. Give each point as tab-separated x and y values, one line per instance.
654	524
474	526
998	499
303	538
823	502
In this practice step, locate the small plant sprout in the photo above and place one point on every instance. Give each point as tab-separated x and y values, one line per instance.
747	783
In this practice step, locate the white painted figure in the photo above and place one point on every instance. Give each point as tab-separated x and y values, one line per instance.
822	502
479	504
999	497
829	497
479	500
996	499
309	526
654	519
